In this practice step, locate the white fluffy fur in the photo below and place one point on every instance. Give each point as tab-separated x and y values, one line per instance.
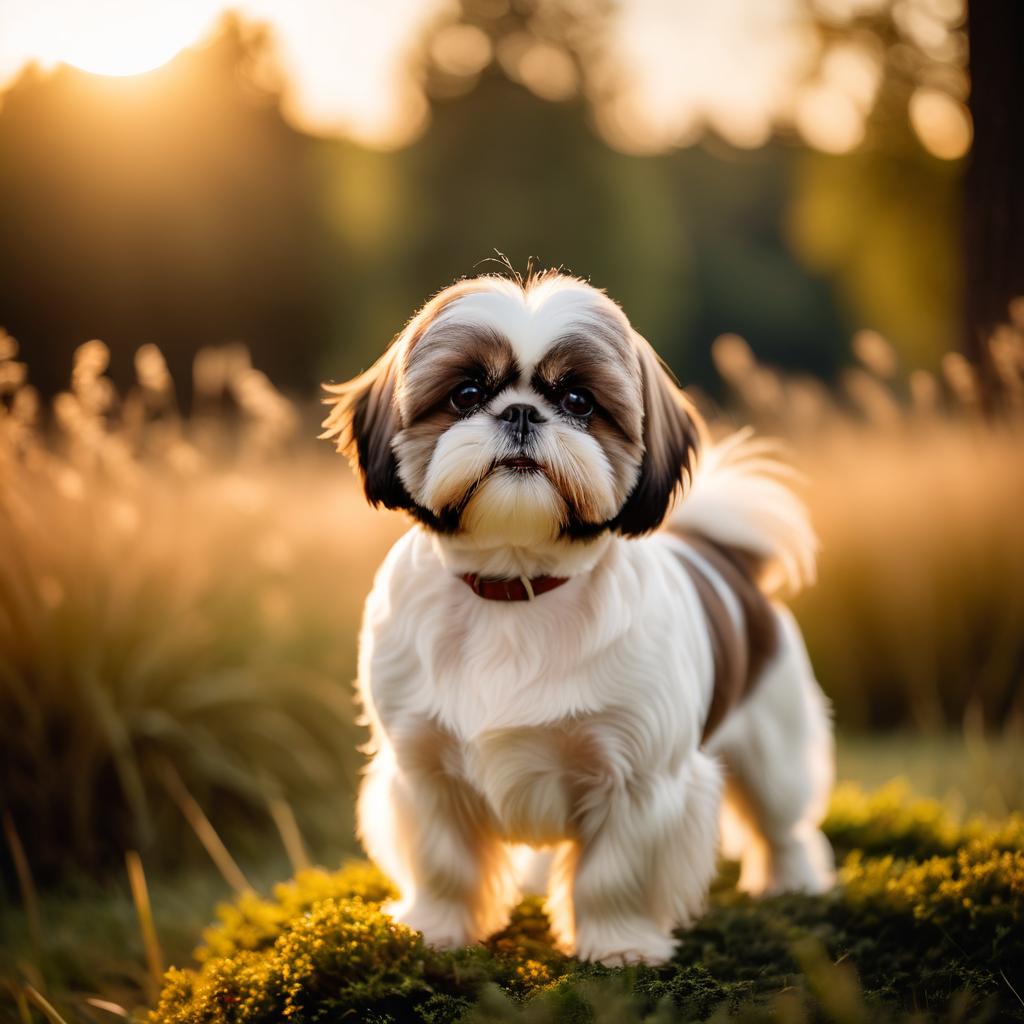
740	498
573	722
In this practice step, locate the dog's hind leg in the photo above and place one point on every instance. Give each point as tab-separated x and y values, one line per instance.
778	752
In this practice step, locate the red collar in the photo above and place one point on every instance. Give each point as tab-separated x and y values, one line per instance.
518	589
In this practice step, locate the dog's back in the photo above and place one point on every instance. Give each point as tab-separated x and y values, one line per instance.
745	538
742	535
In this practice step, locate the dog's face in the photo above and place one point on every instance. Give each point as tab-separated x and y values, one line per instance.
518	413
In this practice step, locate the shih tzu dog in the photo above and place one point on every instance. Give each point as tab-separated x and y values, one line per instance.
557	656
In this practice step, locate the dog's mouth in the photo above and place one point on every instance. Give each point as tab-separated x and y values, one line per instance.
522	464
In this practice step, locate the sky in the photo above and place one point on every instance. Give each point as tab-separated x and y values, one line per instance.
669	69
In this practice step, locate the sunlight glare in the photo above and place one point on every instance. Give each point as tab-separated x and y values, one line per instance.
345	65
942	123
461	49
730	66
344	61
547	71
104	37
829	120
673	69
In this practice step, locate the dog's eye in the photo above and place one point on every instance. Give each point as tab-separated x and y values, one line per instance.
467	396
578	402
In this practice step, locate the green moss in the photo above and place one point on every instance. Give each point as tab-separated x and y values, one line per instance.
343	955
889	821
928	918
252	922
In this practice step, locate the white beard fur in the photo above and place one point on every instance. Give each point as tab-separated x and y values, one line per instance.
573	724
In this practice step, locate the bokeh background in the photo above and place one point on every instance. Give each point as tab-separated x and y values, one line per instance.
812	208
300	177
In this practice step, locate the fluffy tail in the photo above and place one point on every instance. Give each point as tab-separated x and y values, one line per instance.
740	498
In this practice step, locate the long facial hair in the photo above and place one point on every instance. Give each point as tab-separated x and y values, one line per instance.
480	472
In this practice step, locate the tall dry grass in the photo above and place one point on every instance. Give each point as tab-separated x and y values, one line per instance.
918	497
170	592
187	591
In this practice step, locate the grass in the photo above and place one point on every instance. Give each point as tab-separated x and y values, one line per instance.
166	602
186	591
931	916
178	610
916	619
965	771
92	946
917	616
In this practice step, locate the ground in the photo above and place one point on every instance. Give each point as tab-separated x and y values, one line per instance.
930	918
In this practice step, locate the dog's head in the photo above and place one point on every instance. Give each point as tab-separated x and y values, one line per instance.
518	412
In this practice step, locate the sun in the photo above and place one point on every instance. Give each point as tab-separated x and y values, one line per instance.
125	37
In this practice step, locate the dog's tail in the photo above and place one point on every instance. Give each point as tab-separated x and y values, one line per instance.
741	498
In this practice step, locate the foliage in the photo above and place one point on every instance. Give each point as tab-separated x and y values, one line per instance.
918	615
888	821
972	772
253	923
164	604
907	928
341	955
179	590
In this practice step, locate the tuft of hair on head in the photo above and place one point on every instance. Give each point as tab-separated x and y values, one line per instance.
673	433
507	271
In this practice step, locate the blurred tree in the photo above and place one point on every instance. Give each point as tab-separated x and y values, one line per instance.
994	226
882	225
178	207
503	168
173	208
692	242
881	217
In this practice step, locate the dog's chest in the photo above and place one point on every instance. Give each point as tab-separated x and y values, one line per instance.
486	672
537	782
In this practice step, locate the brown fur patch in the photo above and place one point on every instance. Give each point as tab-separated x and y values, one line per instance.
449	355
364	414
624	456
414	445
362	421
671	437
741	650
600	363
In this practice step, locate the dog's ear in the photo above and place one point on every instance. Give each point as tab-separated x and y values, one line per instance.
365	414
363	420
671	434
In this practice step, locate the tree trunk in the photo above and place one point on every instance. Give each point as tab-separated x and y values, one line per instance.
994	202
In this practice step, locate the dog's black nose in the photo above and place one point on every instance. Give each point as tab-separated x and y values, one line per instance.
521	416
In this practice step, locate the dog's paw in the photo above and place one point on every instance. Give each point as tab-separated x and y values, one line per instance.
806	882
805	865
441	924
619	948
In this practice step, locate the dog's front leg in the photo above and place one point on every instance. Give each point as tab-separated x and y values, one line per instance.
642	865
433	835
